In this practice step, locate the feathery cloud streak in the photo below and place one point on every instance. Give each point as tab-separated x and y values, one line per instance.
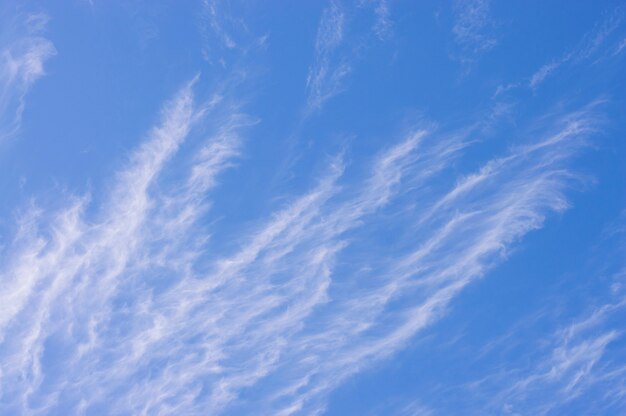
130	298
575	360
325	75
587	48
161	295
470	30
23	52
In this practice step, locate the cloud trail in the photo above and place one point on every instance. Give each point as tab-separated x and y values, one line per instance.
470	30
565	367
76	264
23	52
162	293
581	357
130	298
428	277
555	361
588	47
136	291
326	74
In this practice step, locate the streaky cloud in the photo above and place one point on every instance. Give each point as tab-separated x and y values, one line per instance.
136	299
589	46
577	357
69	275
22	56
326	74
471	29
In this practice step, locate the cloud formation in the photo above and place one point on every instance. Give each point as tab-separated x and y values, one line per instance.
23	52
326	74
130	298
587	48
471	29
152	295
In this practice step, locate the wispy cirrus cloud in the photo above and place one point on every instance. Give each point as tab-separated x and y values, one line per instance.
620	47
64	256
152	323
569	369
573	363
565	367
435	271
383	24
155	297
587	48
471	29
227	39
335	52
581	356
326	74
23	52
217	38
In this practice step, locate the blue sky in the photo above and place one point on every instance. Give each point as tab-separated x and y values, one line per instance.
366	207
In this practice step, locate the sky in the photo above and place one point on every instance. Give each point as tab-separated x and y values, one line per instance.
333	207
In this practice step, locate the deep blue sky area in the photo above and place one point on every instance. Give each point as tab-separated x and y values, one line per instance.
342	207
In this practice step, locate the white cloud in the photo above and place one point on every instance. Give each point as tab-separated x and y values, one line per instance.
589	46
574	363
80	264
214	20
620	47
562	370
383	25
22	56
153	321
471	29
326	74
